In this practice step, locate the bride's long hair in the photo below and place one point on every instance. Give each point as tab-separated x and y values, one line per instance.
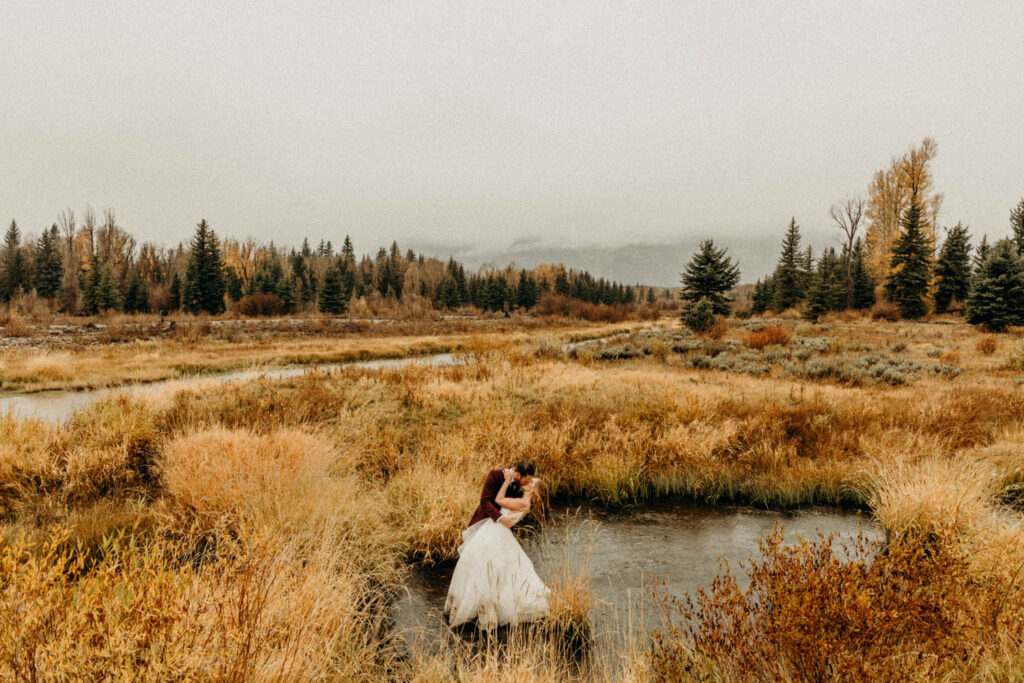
540	500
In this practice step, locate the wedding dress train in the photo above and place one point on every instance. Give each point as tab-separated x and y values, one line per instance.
494	581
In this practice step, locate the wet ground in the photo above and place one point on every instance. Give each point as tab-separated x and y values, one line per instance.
682	544
57	406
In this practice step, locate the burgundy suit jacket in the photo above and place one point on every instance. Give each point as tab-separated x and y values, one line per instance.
487	506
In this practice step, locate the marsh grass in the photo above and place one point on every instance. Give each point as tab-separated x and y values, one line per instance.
259	530
195	350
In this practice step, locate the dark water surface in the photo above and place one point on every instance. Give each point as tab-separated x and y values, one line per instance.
679	543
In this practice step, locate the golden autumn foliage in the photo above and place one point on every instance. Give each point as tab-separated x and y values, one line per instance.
260	530
889	195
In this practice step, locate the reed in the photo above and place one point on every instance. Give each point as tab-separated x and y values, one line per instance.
259	530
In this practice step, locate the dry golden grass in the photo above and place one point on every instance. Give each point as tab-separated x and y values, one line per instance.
142	361
259	530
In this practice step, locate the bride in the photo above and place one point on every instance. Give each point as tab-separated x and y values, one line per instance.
494	581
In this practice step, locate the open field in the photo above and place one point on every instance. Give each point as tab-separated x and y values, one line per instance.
149	352
259	530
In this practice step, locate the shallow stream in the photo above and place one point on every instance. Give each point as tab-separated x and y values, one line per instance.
682	544
57	406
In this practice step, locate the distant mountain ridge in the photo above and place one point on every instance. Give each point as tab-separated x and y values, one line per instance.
657	264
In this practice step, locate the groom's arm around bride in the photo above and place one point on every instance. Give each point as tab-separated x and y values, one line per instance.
492	485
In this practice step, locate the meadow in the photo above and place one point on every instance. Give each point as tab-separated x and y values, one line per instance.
259	530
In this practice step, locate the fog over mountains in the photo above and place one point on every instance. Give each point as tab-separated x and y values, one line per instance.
648	263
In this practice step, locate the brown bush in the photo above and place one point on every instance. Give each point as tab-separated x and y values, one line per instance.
717	330
987	345
14	325
810	614
773	334
885	310
568	307
261	305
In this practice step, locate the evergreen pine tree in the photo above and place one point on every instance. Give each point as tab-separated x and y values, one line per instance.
1017	223
953	269
651	296
526	291
980	254
348	253
90	287
13	271
911	265
764	293
710	275
826	292
136	297
108	294
48	270
333	298
101	291
562	287
996	299
863	285
233	284
788	276
807	269
174	298
448	293
203	288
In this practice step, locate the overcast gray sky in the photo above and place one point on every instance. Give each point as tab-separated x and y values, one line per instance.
592	123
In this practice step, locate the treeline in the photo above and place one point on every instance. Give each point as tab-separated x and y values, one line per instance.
894	269
98	266
986	283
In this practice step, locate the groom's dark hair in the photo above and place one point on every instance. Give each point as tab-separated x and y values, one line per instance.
524	468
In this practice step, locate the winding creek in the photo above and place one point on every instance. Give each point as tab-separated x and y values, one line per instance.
58	406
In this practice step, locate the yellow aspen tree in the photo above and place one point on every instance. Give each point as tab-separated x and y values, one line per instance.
890	194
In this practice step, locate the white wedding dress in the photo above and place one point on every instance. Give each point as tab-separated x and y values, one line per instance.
494	581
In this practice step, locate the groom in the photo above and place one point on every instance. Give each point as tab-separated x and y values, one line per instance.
522	473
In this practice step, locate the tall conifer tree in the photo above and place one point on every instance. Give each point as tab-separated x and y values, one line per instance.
953	269
203	288
788	277
827	292
1017	224
863	285
996	300
13	270
710	275
907	285
333	297
48	269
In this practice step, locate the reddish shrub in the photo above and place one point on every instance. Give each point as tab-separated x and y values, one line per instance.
556	304
773	334
812	614
261	304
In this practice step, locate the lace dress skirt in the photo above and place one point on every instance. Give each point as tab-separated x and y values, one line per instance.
494	581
